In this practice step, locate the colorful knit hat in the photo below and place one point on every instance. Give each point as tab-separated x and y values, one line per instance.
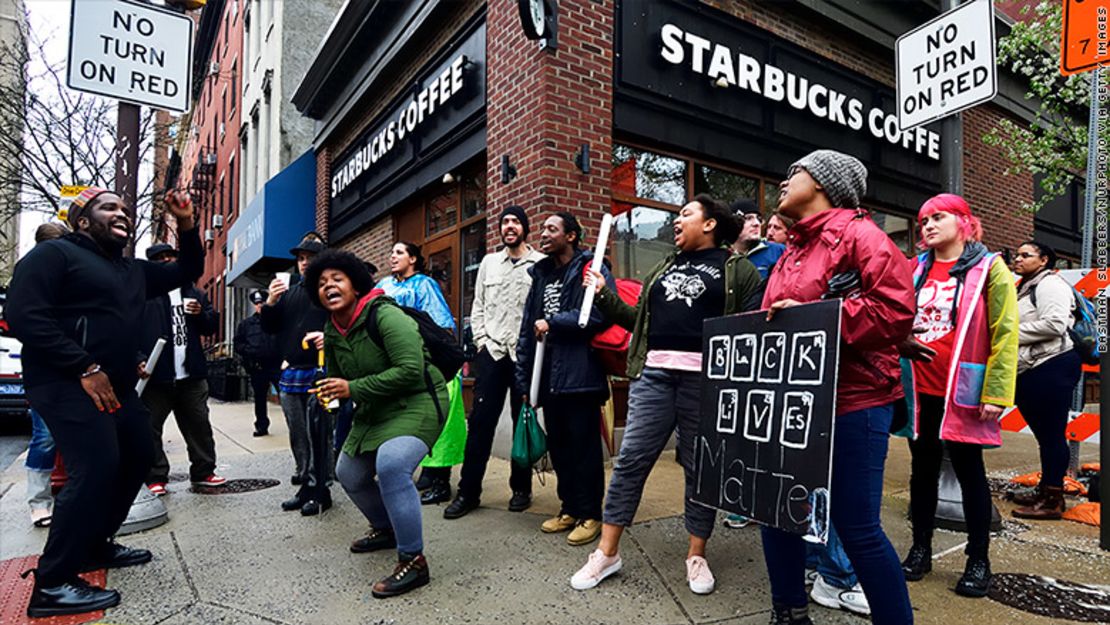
80	204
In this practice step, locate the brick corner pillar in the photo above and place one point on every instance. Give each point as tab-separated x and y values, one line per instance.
998	207
543	105
323	190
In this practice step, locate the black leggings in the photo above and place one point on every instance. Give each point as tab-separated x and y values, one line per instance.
967	460
1044	394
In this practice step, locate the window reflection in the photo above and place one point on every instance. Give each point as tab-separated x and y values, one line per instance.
473	249
648	175
641	238
898	228
725	185
441	214
474	195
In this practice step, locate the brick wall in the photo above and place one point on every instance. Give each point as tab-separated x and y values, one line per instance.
323	189
994	196
373	244
542	106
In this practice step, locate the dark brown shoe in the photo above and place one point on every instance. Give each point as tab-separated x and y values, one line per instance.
1049	507
1029	498
374	540
407	575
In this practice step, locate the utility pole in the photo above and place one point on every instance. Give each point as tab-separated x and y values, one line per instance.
127	164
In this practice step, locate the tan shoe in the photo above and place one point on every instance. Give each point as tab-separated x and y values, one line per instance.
585	532
561	523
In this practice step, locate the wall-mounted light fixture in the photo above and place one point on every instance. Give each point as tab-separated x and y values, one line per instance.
721	82
582	158
508	172
448	178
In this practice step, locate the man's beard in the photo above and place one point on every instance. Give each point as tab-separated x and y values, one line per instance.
102	234
515	244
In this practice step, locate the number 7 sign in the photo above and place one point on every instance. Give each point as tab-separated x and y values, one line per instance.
1084	38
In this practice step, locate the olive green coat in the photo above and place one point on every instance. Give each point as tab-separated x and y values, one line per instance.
387	385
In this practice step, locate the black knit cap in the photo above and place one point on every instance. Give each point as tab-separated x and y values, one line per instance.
311	242
156	250
518	212
343	261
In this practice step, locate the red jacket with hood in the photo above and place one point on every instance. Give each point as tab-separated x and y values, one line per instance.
874	318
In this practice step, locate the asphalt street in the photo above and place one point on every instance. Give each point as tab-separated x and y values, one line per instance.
13	441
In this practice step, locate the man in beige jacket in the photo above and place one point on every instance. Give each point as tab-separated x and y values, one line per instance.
502	286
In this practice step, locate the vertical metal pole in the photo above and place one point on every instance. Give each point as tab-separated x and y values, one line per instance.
952	139
127	163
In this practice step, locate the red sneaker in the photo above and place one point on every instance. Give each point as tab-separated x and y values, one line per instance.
157	488
211	480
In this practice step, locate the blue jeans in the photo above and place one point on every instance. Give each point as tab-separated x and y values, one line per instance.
831	562
390	501
857	489
40	451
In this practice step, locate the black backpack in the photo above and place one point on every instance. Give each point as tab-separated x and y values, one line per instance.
445	352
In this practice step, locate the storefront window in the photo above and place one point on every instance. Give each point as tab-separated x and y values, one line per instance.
440	267
473	249
641	238
473	196
647	175
898	228
725	185
441	214
770	197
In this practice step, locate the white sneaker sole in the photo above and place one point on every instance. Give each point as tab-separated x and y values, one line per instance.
702	589
594	581
836	604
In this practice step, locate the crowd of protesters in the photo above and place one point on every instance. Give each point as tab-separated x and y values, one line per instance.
934	348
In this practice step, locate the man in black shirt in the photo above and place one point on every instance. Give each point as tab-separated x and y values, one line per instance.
74	303
257	351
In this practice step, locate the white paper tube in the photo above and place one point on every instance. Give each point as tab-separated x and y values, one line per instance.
537	372
599	257
155	354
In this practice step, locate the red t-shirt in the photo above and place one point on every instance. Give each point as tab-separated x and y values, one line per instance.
934	314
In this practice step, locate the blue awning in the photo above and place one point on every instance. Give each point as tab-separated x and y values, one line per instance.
260	239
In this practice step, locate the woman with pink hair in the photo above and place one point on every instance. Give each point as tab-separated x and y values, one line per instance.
964	366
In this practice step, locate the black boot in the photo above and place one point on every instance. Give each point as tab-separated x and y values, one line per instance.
297	501
918	562
73	597
460	507
439	492
783	615
410	573
317	502
424	482
374	540
116	556
520	502
976	580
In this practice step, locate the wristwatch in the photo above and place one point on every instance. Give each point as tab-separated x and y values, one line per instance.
92	370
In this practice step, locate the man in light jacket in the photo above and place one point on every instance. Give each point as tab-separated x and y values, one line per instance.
499	293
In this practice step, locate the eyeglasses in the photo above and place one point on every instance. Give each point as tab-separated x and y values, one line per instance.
1026	255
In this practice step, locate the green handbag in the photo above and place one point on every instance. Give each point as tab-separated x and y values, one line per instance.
529	440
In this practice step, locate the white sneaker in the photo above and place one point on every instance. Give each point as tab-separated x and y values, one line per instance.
830	596
811	575
699	576
598	567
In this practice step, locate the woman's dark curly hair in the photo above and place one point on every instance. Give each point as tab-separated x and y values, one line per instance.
339	260
727	229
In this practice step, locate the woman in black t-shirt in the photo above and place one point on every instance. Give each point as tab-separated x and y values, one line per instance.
699	280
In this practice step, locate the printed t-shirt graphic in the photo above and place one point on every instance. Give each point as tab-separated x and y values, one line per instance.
935	302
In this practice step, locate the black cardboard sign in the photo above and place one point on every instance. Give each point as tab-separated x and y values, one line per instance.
768	404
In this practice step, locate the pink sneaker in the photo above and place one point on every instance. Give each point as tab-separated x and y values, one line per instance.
598	567
158	489
212	480
699	576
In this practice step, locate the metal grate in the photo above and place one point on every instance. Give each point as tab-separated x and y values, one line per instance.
1055	598
234	487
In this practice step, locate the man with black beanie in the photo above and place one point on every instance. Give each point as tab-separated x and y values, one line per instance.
75	302
258	353
290	315
499	292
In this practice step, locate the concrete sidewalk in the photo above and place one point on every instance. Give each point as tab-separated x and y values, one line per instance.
237	558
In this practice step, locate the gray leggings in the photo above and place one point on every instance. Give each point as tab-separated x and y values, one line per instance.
390	501
660	401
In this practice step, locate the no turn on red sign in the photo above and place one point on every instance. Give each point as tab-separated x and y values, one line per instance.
1084	40
946	65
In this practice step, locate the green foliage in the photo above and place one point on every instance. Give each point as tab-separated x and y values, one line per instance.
1055	145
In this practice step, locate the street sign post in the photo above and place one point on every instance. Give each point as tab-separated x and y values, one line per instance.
133	52
946	65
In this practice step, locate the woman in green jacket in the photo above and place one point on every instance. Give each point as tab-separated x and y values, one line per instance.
395	419
699	280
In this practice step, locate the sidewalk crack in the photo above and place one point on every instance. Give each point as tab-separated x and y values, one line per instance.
632	536
230	608
184	567
232	439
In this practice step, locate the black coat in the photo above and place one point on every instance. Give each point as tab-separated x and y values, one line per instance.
71	306
158	323
293	316
256	348
570	364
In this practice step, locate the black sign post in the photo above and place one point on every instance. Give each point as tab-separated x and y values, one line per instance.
764	448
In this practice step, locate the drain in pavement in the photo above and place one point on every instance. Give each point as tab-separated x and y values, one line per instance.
1054	598
234	487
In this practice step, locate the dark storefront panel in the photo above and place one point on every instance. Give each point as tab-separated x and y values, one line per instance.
445	138
675	107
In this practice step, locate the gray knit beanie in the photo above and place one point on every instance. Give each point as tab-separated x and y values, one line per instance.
843	177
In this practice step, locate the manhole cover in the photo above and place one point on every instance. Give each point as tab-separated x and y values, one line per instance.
233	487
1054	598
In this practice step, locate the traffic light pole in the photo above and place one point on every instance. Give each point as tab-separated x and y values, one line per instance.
127	164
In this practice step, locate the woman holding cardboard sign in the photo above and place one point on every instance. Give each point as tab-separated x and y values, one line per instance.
964	352
832	240
699	280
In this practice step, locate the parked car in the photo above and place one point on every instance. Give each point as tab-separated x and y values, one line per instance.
13	399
